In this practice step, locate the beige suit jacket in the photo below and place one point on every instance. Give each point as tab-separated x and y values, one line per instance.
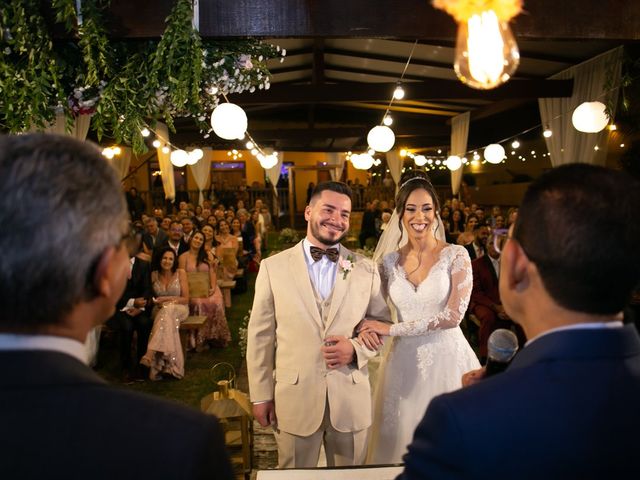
286	333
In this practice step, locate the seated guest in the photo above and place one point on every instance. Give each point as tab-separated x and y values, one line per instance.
210	242
478	247
165	224
132	310
215	330
153	236
187	229
481	216
485	298
456	225
228	240
496	212
164	351
565	406
466	237
175	241
248	236
59	419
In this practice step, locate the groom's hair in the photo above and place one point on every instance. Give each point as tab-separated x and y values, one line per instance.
337	187
578	224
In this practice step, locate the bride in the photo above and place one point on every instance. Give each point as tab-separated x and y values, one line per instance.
429	283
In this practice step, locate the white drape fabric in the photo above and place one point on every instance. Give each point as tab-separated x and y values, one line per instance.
201	172
81	126
394	162
597	79
336	160
166	167
122	162
273	174
459	137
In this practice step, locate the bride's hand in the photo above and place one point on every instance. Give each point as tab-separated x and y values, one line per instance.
369	340
374	326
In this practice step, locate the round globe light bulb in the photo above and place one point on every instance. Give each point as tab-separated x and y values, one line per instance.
420	160
156	143
494	153
179	158
229	121
398	93
387	120
590	117
381	138
453	162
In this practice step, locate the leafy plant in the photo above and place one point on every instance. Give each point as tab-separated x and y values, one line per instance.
124	85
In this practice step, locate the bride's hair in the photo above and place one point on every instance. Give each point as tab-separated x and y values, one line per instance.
413	180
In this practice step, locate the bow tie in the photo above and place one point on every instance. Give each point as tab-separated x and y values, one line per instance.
331	253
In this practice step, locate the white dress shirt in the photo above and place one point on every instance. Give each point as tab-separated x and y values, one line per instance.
323	272
65	345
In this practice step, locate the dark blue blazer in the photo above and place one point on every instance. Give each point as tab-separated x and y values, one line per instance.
566	408
59	420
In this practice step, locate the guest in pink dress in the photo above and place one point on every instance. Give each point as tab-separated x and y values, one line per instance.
215	330
171	289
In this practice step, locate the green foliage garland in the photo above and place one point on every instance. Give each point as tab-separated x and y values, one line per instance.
125	85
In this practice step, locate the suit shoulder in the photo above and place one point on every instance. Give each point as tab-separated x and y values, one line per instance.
362	261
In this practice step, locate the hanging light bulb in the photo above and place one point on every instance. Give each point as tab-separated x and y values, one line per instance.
590	117
229	121
420	160
494	153
515	144
398	93
145	132
166	149
486	51
547	133
179	158
381	138
156	143
453	163
387	120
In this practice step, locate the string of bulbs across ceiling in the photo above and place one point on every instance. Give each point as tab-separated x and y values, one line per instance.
486	56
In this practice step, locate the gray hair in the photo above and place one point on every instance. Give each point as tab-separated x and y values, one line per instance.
61	207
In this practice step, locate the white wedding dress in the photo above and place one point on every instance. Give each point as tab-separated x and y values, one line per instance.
428	353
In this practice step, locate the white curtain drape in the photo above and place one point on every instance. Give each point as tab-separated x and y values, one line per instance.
166	167
394	162
79	129
336	160
568	145
201	172
122	162
273	173
459	137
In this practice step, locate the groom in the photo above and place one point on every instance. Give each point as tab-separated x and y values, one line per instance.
307	376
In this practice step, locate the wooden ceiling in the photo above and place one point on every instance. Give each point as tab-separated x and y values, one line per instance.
345	57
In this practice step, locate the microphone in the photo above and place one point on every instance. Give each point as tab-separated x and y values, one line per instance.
502	347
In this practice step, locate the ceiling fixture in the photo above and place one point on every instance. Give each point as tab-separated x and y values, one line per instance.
398	93
362	161
420	160
547	133
179	158
494	153
453	162
387	120
381	138
487	54
590	117
229	121
515	144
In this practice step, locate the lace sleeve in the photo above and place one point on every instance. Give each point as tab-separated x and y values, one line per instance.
454	310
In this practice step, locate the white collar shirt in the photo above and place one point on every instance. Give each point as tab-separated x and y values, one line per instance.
68	346
321	272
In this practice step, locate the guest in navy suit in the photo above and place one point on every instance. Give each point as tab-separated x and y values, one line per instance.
566	407
58	418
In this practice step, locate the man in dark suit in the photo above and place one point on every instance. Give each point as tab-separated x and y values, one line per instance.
175	241
478	247
566	406
153	235
133	310
58	418
485	300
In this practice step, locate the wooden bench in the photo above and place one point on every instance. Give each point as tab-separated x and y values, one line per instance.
226	286
193	322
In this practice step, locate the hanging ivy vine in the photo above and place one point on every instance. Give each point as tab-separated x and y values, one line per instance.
125	85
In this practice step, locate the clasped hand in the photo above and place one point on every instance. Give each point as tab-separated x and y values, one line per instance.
337	351
370	333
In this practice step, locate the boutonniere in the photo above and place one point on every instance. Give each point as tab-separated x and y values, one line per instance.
346	265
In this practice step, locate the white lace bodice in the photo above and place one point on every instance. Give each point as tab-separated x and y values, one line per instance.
439	302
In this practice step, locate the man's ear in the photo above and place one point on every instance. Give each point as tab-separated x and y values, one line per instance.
515	266
307	213
110	275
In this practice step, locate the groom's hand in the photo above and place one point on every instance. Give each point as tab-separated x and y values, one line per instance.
265	413
337	351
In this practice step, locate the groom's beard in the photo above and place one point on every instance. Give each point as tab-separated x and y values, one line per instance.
315	230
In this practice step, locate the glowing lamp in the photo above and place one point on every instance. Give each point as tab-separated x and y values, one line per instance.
381	138
229	121
590	117
494	153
